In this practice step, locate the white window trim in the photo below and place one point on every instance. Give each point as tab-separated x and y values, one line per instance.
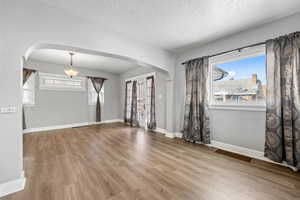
42	85
234	56
141	76
256	108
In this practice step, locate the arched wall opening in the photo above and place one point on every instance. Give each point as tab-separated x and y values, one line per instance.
163	79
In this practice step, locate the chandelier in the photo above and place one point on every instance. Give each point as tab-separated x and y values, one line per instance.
70	71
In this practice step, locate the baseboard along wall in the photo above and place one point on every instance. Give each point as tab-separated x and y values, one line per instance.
13	186
48	128
239	150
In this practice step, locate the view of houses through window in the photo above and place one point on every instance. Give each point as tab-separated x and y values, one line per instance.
240	82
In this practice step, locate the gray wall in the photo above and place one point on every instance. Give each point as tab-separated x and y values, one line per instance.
241	128
53	107
28	23
160	91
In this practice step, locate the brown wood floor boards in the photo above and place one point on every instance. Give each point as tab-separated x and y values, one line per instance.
114	161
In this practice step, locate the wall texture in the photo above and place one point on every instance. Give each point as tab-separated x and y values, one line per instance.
241	128
26	23
53	107
160	90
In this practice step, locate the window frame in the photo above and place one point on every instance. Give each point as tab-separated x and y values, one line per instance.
33	79
44	86
129	97
144	77
229	57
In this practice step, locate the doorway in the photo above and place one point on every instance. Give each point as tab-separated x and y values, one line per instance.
143	95
141	102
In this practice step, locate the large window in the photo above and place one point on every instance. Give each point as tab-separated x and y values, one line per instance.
92	94
239	78
28	91
61	82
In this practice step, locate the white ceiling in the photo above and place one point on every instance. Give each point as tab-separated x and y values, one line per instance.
176	24
61	57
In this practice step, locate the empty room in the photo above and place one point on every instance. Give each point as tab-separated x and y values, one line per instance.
150	100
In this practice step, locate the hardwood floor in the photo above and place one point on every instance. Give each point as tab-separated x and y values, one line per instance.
115	161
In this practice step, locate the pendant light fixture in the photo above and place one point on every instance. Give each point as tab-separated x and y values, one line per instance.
70	71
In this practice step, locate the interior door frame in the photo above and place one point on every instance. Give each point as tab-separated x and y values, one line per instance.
144	77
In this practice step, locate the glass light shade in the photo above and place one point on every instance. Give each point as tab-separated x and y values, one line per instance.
71	72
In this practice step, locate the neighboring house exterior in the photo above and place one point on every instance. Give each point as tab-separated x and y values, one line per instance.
239	90
219	74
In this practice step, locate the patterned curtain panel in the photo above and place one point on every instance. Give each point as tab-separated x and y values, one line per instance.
196	118
283	100
98	84
26	74
133	113
125	102
151	120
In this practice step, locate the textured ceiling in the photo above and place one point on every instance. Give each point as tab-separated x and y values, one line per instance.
107	64
176	24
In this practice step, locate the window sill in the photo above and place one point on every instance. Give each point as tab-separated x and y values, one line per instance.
253	108
28	105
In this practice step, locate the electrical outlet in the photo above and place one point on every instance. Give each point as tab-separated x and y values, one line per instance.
8	109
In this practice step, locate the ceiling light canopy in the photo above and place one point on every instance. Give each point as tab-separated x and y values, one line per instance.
70	71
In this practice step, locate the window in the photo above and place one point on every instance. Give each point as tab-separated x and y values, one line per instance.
148	102
129	95
144	85
28	91
239	78
61	82
141	101
92	94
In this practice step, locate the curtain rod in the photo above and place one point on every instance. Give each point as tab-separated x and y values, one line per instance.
224	52
96	77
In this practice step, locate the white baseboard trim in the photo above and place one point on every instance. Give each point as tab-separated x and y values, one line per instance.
178	134
106	121
240	150
161	130
246	152
12	186
48	128
169	135
165	132
232	148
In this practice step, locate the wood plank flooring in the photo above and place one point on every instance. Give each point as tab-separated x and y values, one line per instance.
114	161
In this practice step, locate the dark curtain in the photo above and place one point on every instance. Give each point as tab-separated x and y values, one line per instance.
98	84
196	118
283	100
26	74
151	124
133	113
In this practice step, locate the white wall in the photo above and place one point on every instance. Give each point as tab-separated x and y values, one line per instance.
241	128
54	107
25	23
160	92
